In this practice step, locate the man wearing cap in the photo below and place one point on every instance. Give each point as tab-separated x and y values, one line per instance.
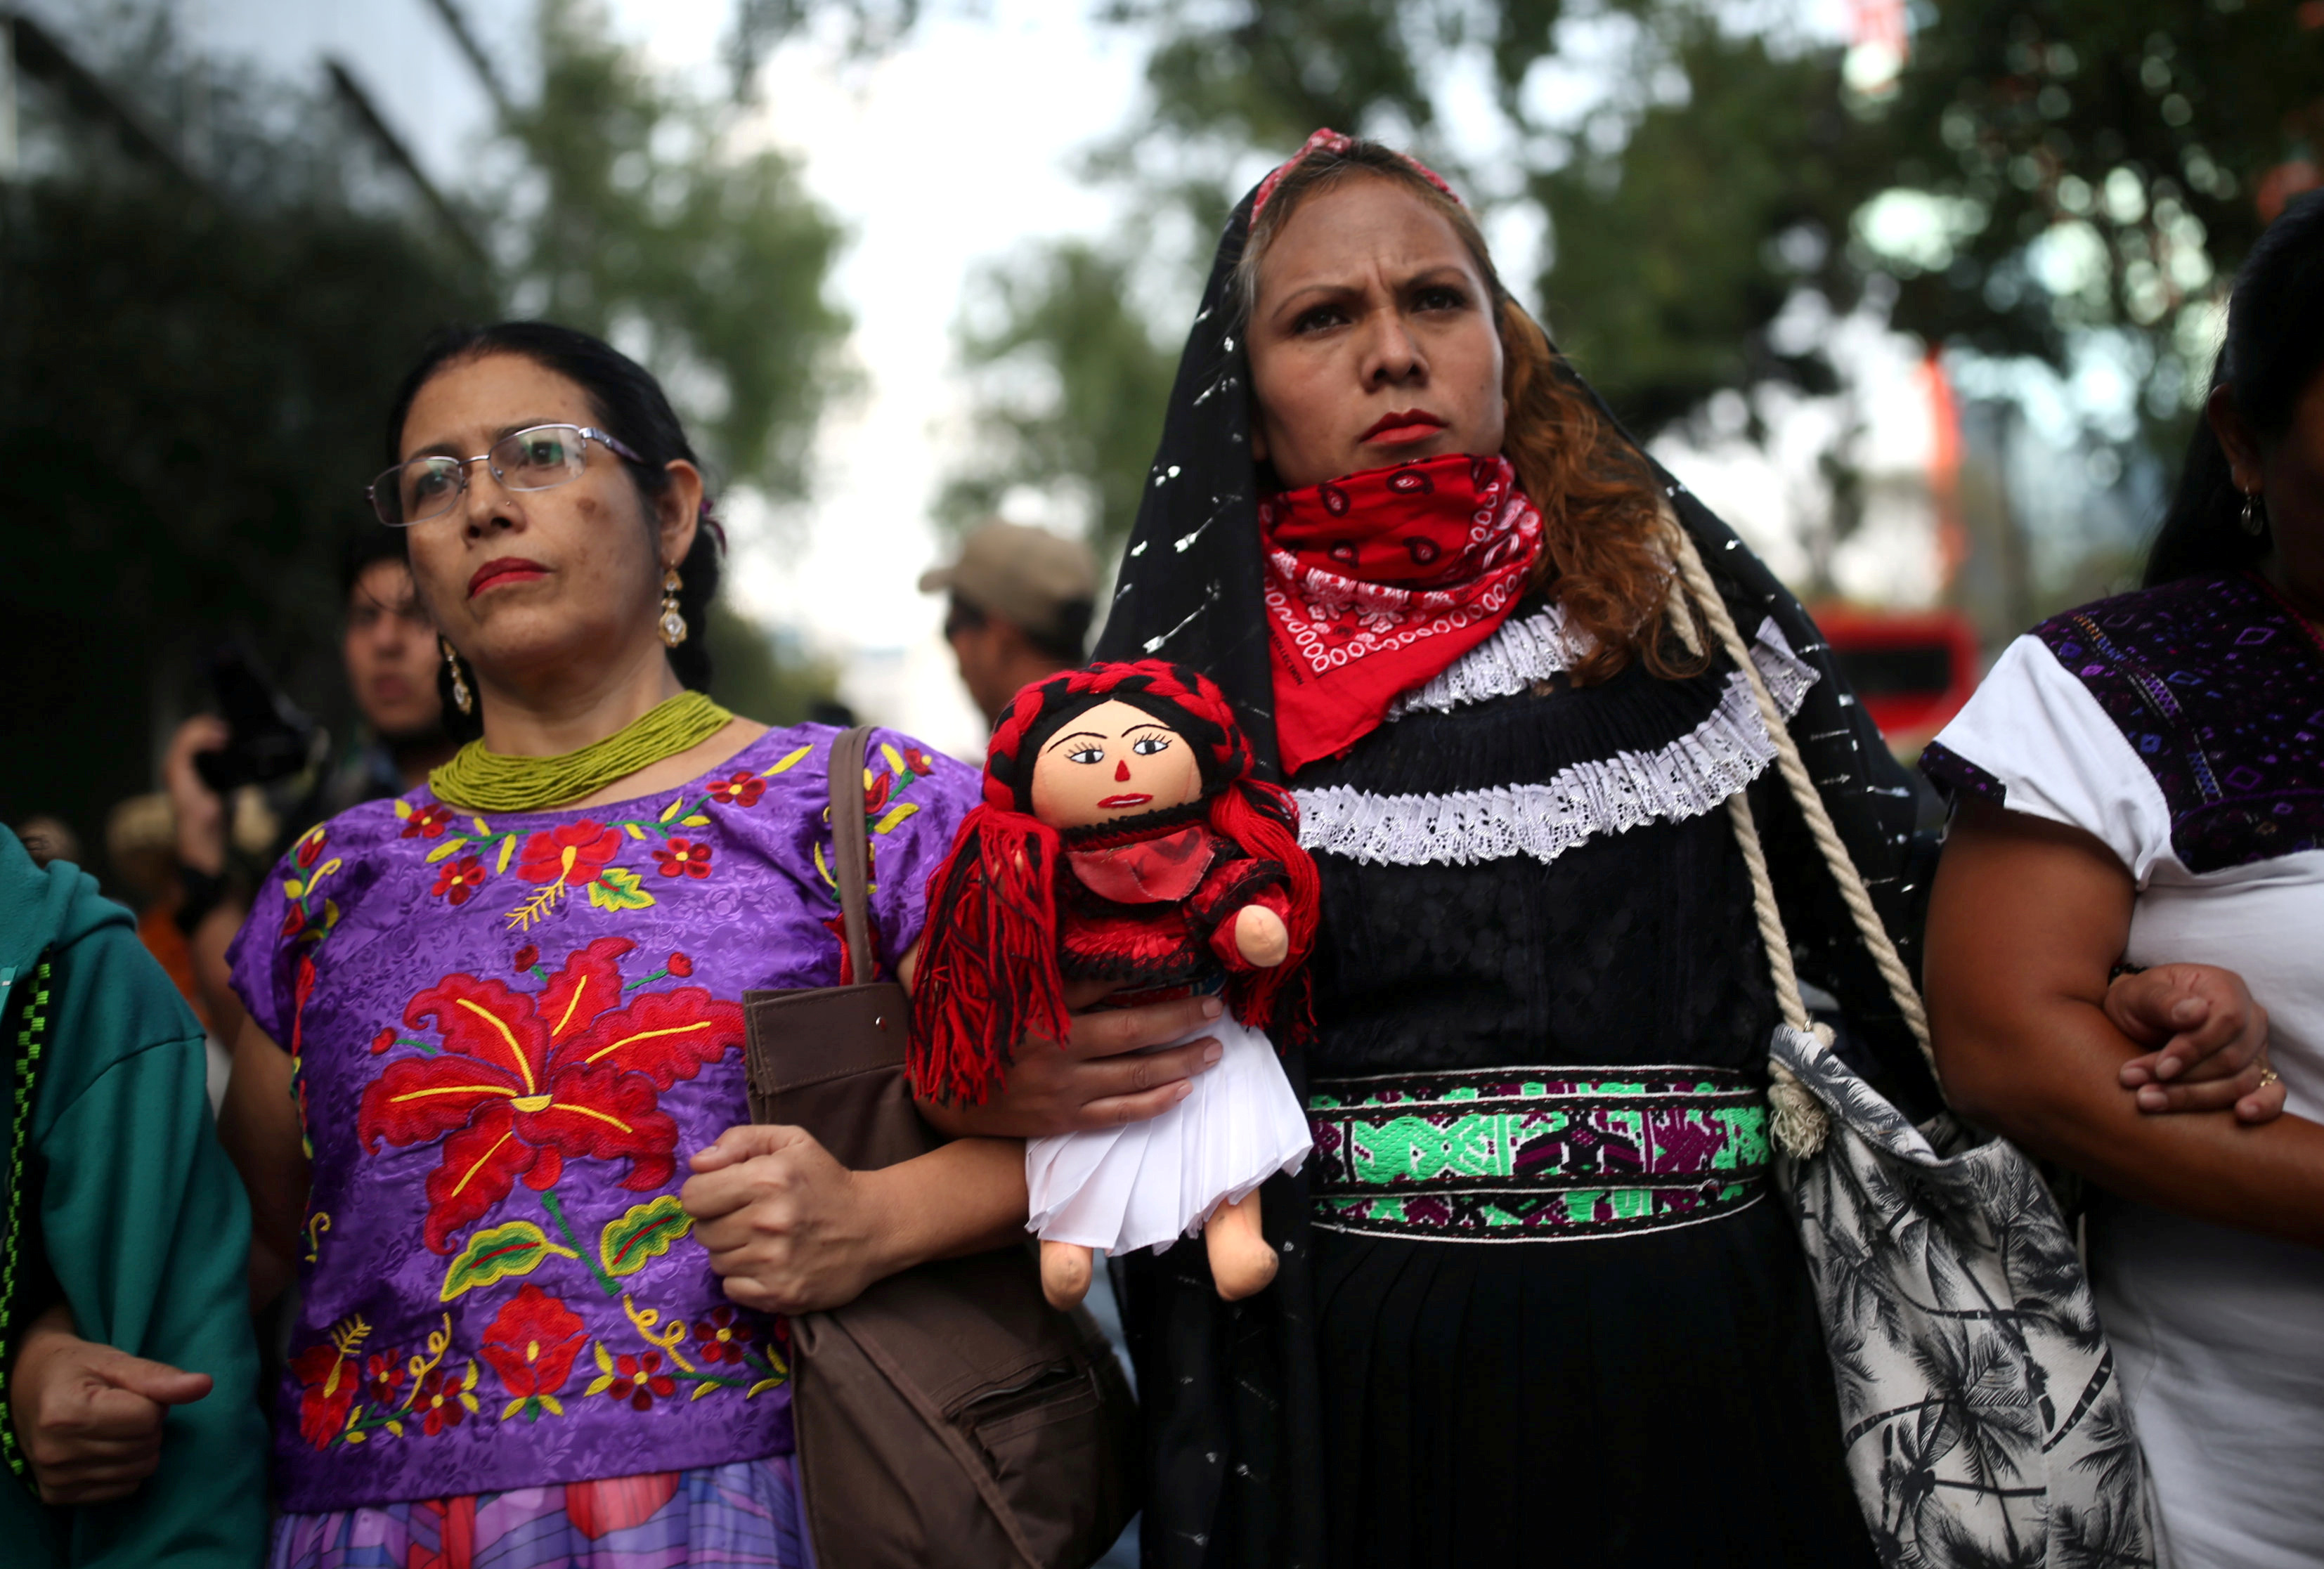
1021	604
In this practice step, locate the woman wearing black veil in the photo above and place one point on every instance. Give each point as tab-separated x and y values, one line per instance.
1535	1294
1522	869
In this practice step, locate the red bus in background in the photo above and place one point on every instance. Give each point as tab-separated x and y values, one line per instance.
1911	670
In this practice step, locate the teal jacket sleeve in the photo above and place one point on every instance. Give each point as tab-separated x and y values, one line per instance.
146	1232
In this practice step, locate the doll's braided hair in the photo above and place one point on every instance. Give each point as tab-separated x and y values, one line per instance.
988	973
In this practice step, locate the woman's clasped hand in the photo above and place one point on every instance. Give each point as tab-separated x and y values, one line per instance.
1117	1067
2208	1040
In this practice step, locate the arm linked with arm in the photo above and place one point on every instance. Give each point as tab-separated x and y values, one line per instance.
258	1126
2026	920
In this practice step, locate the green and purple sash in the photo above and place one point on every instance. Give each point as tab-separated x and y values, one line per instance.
1528	1154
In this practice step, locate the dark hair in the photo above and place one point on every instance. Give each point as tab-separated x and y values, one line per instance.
2274	349
367	544
1067	642
630	405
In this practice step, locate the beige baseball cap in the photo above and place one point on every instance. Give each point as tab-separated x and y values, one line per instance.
1018	573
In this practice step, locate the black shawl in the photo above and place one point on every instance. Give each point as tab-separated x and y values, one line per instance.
1229	1391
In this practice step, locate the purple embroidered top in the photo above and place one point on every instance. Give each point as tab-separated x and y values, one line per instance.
508	1033
2214	683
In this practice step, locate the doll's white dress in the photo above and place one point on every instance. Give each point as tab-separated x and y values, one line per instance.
1145	1184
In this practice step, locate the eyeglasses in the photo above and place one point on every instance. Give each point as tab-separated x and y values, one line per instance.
539	458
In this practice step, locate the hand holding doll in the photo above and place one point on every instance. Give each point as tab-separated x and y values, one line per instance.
1121	839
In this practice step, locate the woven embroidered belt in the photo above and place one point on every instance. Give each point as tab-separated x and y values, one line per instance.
1524	1154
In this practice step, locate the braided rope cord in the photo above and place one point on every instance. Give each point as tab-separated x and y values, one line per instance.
1800	1122
32	1035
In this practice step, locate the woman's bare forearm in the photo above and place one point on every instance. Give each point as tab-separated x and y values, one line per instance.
2025	919
2045	1079
258	1126
967	1197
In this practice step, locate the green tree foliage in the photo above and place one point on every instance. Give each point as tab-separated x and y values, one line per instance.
1073	384
193	375
208	316
643	224
1678	244
2061	169
2099	166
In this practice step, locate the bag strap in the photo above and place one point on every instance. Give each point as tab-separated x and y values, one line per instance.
851	847
1799	1122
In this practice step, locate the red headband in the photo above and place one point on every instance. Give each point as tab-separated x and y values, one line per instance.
1331	141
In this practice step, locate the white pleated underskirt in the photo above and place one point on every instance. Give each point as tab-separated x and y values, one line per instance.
1148	1184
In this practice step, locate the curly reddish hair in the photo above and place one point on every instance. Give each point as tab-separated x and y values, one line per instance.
1600	507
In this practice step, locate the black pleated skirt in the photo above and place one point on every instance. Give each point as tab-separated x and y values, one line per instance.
1645	1400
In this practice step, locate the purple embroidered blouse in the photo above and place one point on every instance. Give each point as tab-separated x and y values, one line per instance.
507	1031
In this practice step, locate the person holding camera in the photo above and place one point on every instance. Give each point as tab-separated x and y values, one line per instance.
388	646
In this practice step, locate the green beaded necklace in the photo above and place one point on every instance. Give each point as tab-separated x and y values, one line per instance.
478	780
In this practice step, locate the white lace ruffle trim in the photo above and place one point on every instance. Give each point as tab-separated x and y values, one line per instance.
1684	779
1519	654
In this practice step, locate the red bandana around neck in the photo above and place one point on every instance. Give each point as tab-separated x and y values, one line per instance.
1376	582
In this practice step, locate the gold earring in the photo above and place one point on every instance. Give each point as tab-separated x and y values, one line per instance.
462	699
673	625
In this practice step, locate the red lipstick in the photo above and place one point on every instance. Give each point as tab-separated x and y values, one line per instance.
502	570
1403	427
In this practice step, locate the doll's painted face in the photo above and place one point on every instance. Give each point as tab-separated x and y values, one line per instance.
1114	761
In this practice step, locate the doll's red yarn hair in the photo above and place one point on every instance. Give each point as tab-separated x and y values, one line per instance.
988	973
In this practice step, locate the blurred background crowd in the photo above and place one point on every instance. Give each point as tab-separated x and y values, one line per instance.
1922	294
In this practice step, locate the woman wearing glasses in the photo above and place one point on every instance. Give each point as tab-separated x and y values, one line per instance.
496	1034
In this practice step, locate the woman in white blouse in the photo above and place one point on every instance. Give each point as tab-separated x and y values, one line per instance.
2142	779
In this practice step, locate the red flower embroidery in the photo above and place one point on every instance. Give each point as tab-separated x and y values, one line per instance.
460	879
680	964
327	1389
382	1378
296	917
428	822
875	795
381	1041
574	854
721	1337
689	856
532	1342
638	1379
917	761
744	790
526	958
311	846
529	1080
438	1404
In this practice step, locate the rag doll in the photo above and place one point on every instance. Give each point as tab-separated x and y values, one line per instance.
1121	839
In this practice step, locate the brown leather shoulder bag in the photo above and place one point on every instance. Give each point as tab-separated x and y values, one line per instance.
948	1415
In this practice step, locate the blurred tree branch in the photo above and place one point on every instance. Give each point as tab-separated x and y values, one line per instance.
1720	187
200	347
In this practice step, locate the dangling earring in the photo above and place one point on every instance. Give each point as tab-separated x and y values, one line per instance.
462	699
673	625
2255	514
